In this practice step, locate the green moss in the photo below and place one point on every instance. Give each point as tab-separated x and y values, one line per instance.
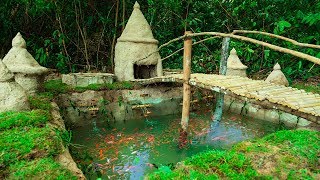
36	118
28	143
299	143
212	165
57	87
45	168
41	101
113	86
292	154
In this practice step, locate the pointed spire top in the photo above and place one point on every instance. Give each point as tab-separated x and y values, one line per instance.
136	5
277	67
277	76
234	61
137	29
233	51
18	41
19	60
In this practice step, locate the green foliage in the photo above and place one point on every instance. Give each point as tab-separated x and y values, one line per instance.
27	143
34	118
45	168
57	31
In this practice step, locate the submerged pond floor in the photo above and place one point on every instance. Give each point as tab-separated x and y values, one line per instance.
132	149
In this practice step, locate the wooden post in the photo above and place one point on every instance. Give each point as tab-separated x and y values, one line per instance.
186	89
222	71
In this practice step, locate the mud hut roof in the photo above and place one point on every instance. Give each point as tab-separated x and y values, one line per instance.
234	61
5	74
137	28
19	60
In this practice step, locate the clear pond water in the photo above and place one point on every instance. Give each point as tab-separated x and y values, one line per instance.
130	150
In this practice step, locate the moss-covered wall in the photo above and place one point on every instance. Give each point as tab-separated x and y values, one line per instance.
31	142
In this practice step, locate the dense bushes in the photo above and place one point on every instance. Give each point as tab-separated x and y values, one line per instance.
70	35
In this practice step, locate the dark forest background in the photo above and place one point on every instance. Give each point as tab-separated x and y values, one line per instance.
69	35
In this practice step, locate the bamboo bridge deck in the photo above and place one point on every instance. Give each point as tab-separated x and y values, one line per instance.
288	99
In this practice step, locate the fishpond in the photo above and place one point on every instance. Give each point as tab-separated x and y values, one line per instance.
132	149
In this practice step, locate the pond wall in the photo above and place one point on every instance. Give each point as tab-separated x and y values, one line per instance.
119	105
158	100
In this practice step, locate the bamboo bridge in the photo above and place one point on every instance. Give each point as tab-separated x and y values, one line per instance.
265	94
287	99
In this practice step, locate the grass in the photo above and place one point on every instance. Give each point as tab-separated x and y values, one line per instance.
57	87
281	155
45	168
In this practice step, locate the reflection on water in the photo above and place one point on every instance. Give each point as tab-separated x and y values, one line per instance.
132	149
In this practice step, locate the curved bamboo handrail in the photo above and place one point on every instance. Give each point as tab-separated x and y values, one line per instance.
243	38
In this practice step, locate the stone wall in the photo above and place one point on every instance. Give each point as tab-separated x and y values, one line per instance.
119	105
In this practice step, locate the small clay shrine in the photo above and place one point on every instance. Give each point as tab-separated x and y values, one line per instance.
136	55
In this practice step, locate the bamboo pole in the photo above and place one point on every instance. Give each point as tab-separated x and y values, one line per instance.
183	137
222	71
186	78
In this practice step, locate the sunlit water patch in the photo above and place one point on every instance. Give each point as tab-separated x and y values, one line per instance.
130	150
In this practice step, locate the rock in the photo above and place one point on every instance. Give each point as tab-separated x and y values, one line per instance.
28	73
136	43
85	79
277	76
65	158
235	66
12	96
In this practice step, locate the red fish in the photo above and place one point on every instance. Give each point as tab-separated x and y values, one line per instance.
101	154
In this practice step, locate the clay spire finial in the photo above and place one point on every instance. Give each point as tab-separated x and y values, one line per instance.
277	67
234	61
277	76
136	5
137	28
18	41
19	60
233	51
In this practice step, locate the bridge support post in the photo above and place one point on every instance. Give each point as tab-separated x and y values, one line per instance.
222	71
186	90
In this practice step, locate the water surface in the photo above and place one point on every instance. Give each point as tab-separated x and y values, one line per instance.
130	150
